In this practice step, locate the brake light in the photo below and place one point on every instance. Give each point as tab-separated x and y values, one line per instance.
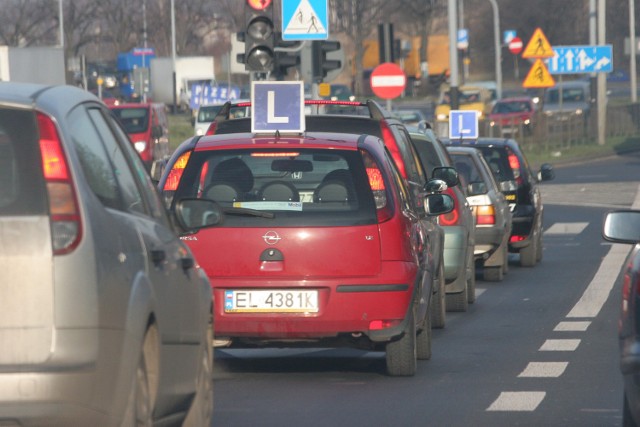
392	145
485	214
376	182
66	226
171	184
516	238
452	217
211	130
514	164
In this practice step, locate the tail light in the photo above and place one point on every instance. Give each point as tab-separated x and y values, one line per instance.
376	182
66	225
627	293
483	211
171	184
516	238
392	145
514	164
452	217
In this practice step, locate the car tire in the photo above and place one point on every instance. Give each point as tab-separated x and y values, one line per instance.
627	416
201	410
471	279
423	339
505	265
439	306
493	274
144	389
401	354
528	254
458	302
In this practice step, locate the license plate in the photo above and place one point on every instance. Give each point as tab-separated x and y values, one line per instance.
271	301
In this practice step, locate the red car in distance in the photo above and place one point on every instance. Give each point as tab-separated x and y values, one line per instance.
512	116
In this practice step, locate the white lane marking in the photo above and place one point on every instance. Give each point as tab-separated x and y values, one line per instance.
480	291
598	291
566	228
572	326
636	201
544	370
517	401
560	345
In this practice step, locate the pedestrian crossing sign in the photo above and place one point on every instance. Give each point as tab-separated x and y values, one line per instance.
539	76
538	46
305	20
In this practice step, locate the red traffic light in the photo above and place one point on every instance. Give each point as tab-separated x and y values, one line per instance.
259	4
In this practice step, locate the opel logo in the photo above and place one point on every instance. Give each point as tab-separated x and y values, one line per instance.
271	237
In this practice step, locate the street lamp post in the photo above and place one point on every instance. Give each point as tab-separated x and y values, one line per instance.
497	47
173	54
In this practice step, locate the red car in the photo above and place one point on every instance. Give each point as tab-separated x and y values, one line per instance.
511	116
308	240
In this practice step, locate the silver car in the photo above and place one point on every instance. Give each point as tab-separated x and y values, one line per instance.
106	318
458	225
490	209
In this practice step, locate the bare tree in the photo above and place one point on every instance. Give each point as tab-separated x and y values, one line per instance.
28	23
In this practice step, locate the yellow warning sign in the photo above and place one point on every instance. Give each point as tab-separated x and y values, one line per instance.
538	46
538	76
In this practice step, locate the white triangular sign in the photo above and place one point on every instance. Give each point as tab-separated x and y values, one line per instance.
305	21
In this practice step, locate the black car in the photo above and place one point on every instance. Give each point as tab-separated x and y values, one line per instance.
520	186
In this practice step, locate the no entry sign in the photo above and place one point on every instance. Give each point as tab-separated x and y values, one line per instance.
388	80
515	45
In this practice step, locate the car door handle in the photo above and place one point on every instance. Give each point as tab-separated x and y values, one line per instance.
158	256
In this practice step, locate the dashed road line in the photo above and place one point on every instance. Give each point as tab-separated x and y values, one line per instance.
517	401
572	326
543	370
560	345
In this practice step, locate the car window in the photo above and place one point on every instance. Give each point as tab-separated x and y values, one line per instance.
498	161
306	187
131	196
23	189
134	120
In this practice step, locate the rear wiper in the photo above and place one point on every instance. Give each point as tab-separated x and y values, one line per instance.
249	212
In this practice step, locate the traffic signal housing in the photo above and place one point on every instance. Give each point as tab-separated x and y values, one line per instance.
287	55
321	66
258	36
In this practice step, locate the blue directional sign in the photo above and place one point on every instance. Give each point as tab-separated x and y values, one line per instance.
463	38
581	59
508	35
305	20
463	124
277	106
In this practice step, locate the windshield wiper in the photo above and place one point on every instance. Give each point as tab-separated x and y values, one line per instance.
249	212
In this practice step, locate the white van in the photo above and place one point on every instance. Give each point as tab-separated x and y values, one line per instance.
206	114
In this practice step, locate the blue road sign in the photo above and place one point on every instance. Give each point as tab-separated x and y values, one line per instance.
463	124
508	35
305	20
581	59
277	106
463	38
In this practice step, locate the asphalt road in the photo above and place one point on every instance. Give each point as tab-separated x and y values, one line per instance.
538	349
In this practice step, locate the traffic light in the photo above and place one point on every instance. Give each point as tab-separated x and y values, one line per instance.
320	64
258	36
287	55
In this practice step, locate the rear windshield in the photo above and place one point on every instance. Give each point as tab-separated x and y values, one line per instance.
22	187
134	120
301	187
468	170
498	160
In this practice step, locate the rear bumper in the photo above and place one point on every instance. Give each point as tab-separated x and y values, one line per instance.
70	394
488	240
347	306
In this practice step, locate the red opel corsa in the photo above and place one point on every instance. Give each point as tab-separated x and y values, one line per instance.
307	239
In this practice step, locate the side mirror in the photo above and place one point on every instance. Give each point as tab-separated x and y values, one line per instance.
194	214
622	226
156	131
476	188
438	204
447	174
546	172
435	186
